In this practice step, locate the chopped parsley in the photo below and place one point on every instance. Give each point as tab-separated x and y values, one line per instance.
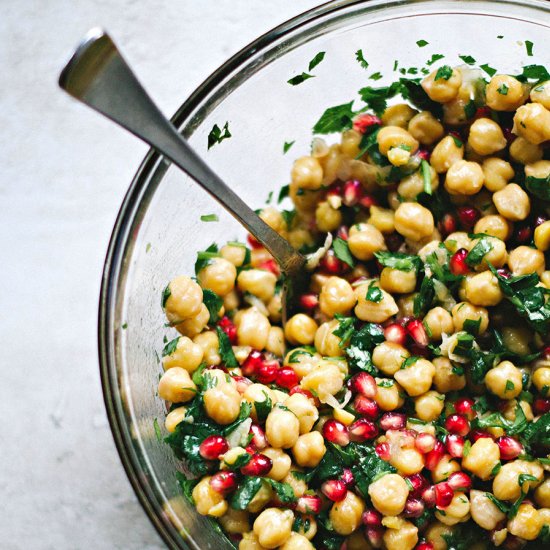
166	293
540	187
205	257
468	59
217	134
399	260
209	218
213	303
316	60
529	47
476	255
158	432
170	347
226	351
335	119
374	294
299	78
287	145
503	89
426	177
488	69
376	76
421	43
361	59
435	57
342	252
444	72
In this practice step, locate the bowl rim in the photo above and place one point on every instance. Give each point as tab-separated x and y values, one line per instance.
151	169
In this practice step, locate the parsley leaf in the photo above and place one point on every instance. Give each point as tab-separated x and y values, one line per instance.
478	252
226	351
187	486
376	76
435	57
335	119
421	43
444	72
376	98
540	187
246	492
427	177
424	299
213	303
534	72
299	78
468	59
529	47
488	69
284	491
287	145
346	327
316	60
217	134
342	252
361	345
361	59
398	260
166	293
170	347
502	89
374	294
263	408
204	257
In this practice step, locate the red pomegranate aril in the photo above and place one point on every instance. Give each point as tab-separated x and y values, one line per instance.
259	440
367	200
226	324
364	384
468	216
383	450
395	333
465	406
483	112
457	424
224	482
424	545
457	263
366	406
331	264
272	266
252	363
371	518
447	224
455	445
303	391
417	332
509	447
425	442
266	373
443	494
423	154
242	383
428	496
363	430
334	489
393	421
479	434
308	504
213	446
541	405
253	242
460	481
374	536
431	459
352	192
523	234
419	483
365	121
309	301
414	508
259	465
504	273
347	477
336	432
539	220
286	378
546	352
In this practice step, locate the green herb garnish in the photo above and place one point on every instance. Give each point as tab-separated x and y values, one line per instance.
217	134
361	59
342	252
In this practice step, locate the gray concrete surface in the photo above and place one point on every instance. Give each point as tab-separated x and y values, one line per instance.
63	173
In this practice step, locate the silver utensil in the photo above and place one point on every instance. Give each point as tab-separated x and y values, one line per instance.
98	76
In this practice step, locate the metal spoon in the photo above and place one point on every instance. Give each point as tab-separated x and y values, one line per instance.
98	76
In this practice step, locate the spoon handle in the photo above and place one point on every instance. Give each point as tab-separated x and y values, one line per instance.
98	76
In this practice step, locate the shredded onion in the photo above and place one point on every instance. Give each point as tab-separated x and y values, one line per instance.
313	259
239	435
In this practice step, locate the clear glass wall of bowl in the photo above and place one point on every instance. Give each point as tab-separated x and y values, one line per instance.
159	230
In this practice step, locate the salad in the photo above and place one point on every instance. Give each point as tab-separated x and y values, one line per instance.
407	404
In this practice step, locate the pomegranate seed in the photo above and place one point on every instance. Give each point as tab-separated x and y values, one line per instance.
252	363
447	224
419	483
309	301
425	442
541	405
428	496
363	430
468	216
224	482
431	459
334	489
367	201
459	481
371	518
366	407
457	424
347	477
423	154
364	384
351	193
395	333
226	324
267	371
546	352
335	432
253	242
363	122
455	445
383	450
424	545
417	332
331	264
522	234
483	112
504	273
259	465
443	494
414	508
308	504
259	440
299	389
272	266
457	263
374	536
286	378
213	446
242	383
465	406
539	220
509	447
393	421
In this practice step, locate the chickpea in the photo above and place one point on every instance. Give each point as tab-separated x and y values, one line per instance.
273	527
509	410
261	498
524	260
234	254
258	282
404	537
496	256
398	115
389	494
484	455
457	511
327	218
305	201
494	225
512	202
207	501
542	494
525	152
454	111
395	137
542	236
413	221
282	428
425	128
438	321
541	94
258	256
445	467
219	276
417	378
222	403
307	173
506	483
442	89
208	341
275	308
445	154
435	533
304	409
429	406
326	342
231	301
276	341
300	329
465	311
526	524
186	355
532	122
374	312
497	173
350	141
193	326
332	164
299	486
364	240
250	542
398	281
483	289
184	299
514	97
457	240
412	185
406	305
173	418
345	515
484	511
308	526
274	219
388	397
446	378
464	178
281	463
309	449
297	542
176	386
504	380
336	296
407	461
325	379
235	522
253	329
541	380
388	357
382	219
486	137
517	339
257	393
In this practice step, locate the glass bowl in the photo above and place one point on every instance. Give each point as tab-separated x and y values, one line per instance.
158	230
